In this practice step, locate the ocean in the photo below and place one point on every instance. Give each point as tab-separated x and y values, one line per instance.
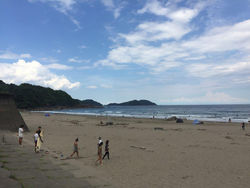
221	113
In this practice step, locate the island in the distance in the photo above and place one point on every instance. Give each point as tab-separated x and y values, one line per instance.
134	103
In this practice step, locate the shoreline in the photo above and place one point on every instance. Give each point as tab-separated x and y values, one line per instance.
216	120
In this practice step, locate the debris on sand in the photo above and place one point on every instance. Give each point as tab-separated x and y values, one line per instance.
158	128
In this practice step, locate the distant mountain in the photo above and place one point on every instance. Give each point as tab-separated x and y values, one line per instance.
29	96
133	103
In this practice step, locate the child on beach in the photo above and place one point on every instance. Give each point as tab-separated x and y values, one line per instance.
20	135
35	140
106	149
75	148
100	153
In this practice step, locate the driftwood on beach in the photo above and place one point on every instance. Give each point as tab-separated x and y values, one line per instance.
138	147
142	148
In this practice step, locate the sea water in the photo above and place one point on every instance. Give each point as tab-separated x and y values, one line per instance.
222	113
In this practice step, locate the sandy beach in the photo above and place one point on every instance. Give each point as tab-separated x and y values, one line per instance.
172	155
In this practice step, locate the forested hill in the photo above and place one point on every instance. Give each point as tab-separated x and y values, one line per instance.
133	103
29	96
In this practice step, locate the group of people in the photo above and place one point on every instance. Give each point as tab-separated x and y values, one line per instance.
38	140
99	149
37	137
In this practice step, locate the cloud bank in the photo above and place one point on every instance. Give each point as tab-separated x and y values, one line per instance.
34	72
164	45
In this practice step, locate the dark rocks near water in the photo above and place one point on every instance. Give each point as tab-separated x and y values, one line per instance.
173	118
179	120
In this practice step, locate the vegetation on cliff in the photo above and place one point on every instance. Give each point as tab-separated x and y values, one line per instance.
29	96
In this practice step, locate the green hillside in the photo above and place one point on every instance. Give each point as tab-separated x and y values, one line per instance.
29	96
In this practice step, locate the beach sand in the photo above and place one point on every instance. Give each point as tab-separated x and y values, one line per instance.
211	155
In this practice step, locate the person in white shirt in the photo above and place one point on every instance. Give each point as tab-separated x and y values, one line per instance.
99	142
35	140
20	134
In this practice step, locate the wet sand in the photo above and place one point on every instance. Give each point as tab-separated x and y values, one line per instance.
149	152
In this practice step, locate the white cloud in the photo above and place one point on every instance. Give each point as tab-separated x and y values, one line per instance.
210	98
117	12
194	58
25	56
58	66
183	15
219	39
97	81
63	6
11	55
76	22
165	66
158	59
76	60
34	72
154	7
211	70
176	25
156	44
82	46
170	10
106	86
141	50
85	67
92	87
157	31
109	63
48	60
110	5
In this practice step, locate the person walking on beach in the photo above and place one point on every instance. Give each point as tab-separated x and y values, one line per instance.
40	133
36	136
39	140
20	135
243	126
100	153
106	149
99	142
75	148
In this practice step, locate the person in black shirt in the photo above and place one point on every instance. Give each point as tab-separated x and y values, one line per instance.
106	149
243	126
39	132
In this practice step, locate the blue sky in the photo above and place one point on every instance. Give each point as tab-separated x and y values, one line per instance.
168	51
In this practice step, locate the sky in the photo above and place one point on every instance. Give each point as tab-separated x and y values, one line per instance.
166	51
